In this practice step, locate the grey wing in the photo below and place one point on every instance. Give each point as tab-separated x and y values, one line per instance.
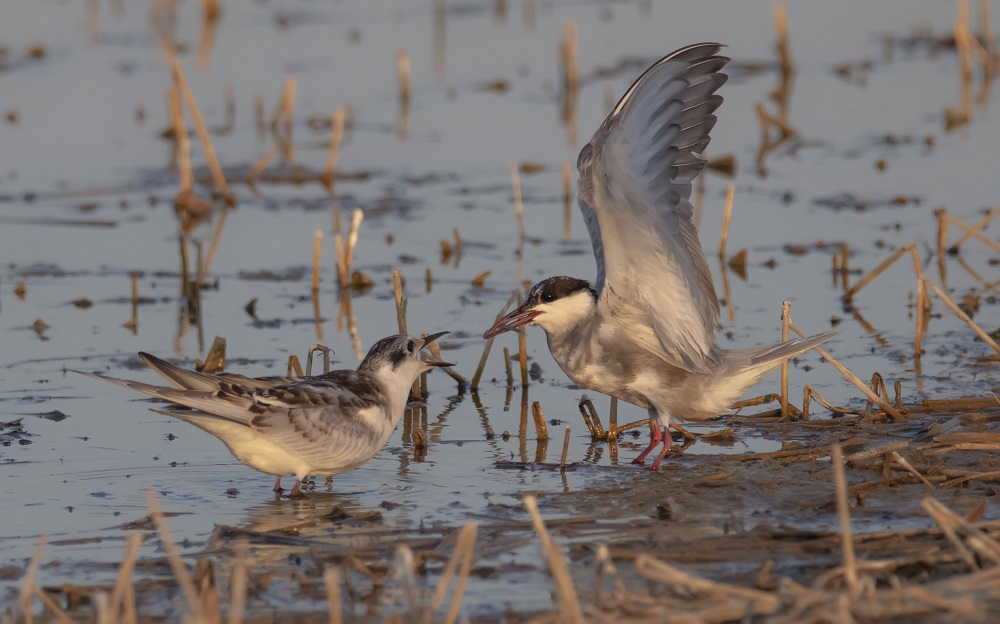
634	192
312	418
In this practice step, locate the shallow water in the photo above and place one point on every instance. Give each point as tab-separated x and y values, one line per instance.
86	194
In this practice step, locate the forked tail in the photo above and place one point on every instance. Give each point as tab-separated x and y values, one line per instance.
768	357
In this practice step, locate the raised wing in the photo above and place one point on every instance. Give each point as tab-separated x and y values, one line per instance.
634	192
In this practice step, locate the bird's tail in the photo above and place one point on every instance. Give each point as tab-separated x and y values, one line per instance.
767	357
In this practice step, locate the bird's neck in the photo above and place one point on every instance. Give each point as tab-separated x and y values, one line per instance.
397	389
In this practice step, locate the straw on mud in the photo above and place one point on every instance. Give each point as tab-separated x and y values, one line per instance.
464	553
843	511
569	603
948	523
335	609
29	578
238	582
541	429
317	249
662	572
562	460
489	343
726	217
851	377
181	574
125	574
567	198
786	319
909	468
331	161
962	315
518	204
56	609
206	143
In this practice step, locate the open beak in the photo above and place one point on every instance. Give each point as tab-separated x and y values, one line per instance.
513	320
427	341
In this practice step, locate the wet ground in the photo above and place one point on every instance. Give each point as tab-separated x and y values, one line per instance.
882	135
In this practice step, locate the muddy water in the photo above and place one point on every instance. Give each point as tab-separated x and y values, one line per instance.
86	200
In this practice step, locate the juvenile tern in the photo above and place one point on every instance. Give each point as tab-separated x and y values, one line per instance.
645	331
320	425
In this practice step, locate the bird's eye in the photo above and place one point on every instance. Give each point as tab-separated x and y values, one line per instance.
548	297
409	346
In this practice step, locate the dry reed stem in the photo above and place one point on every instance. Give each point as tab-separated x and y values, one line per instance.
986	29
182	140
962	315
357	216
851	377
980	225
134	283
726	217
518	204
206	143
29	578
843	511
238	582
464	553
286	103
177	566
57	610
480	280
909	468
403	72
343	277
261	165
335	609
971	231
562	460
331	160
397	285
786	319
876	452
317	249
541	429
522	356
125	576
403	566
569	603
571	56
294	366
942	246
871	275
435	349
508	367
613	419
489	342
567	198
213	245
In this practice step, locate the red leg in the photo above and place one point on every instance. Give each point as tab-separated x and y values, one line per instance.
667	441
657	436
277	483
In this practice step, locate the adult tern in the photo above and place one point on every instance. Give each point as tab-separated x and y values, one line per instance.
644	332
320	425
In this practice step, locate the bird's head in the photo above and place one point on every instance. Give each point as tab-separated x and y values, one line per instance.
399	357
555	304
